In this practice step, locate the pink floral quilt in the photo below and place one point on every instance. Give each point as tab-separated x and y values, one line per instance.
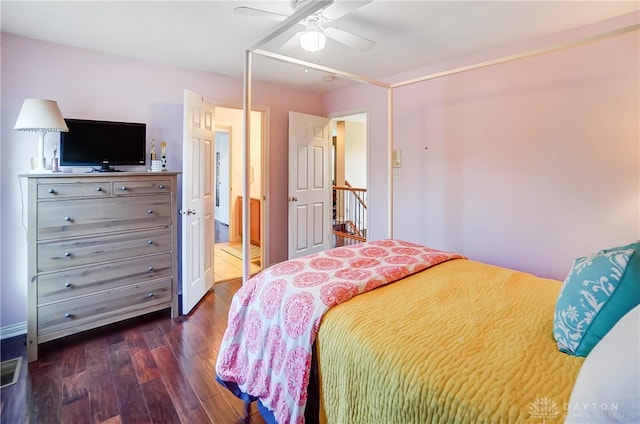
274	317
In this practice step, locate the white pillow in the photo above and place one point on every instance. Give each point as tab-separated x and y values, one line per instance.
607	389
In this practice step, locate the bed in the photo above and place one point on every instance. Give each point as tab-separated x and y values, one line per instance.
447	339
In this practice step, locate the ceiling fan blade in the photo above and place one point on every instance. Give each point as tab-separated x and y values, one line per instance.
250	11
349	39
339	8
292	42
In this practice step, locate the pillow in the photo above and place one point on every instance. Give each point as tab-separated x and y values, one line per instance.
608	385
599	290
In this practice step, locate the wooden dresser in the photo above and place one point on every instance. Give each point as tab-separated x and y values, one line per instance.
101	248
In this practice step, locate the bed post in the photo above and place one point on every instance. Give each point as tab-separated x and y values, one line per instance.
246	156
390	161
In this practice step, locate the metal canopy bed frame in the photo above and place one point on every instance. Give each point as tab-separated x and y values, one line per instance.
312	7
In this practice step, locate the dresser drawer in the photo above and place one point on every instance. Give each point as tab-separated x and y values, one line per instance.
87	217
70	253
85	280
70	189
105	306
135	187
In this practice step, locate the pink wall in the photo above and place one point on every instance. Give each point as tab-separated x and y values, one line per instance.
526	164
97	86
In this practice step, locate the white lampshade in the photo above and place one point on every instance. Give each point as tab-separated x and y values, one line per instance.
42	116
312	40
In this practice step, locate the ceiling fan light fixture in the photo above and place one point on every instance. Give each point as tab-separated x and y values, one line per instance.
313	40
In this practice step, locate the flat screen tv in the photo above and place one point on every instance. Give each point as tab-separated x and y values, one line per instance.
103	145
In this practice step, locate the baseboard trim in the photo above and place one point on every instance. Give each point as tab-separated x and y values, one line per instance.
13	330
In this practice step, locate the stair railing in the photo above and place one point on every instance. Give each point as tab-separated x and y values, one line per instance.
349	214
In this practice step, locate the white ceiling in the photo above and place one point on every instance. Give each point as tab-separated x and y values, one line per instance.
209	36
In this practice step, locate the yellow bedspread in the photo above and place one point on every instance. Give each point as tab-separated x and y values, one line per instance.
462	342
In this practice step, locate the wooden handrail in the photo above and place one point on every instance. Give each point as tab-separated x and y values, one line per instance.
349	236
354	191
346	188
355	229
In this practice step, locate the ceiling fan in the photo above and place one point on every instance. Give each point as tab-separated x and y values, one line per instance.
316	28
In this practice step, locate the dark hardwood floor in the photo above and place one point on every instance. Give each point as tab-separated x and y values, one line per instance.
150	369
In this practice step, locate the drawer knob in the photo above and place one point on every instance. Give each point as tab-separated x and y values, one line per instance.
68	315
52	191
161	186
149	211
67	254
98	188
149	242
67	285
150	295
123	188
150	269
67	218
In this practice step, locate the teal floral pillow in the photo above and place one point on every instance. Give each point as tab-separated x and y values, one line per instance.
599	290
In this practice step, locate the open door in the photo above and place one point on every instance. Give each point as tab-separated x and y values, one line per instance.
197	199
309	184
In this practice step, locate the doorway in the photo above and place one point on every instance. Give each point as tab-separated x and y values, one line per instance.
227	251
328	175
349	174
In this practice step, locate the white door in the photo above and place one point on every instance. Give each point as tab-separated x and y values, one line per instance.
222	177
309	184
197	199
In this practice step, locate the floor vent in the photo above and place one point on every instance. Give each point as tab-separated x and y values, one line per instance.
10	371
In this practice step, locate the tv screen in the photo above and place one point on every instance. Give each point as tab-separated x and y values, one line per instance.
103	144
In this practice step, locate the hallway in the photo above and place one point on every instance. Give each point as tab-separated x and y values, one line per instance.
227	267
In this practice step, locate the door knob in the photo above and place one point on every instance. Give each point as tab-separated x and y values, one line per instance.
293	199
187	212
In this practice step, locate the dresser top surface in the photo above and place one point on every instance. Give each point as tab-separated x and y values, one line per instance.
97	174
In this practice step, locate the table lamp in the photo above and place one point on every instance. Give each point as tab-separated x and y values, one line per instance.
40	116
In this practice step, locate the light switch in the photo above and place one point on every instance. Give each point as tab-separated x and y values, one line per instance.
397	158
